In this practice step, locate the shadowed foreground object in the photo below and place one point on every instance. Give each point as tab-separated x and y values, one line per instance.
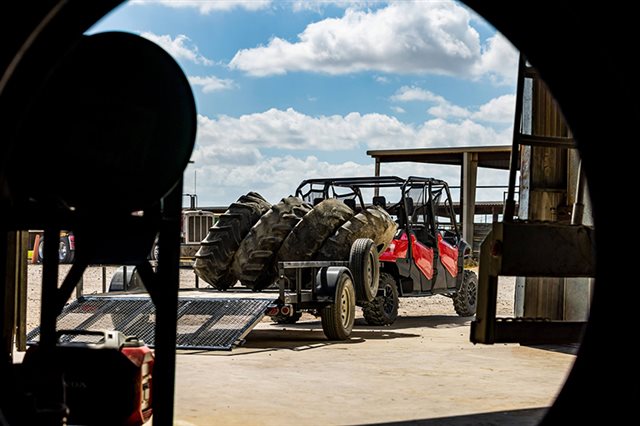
116	125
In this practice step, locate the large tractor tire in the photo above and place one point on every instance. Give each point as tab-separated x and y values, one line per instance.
304	241
383	309
373	223
254	261
213	259
465	299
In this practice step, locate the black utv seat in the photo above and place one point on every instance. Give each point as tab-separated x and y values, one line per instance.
351	203
380	200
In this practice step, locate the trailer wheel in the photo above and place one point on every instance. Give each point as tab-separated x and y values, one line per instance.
383	309
253	263
465	300
213	259
365	267
374	223
338	318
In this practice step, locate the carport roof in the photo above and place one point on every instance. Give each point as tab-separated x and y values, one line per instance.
492	157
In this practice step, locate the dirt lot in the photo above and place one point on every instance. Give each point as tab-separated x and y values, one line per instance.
422	367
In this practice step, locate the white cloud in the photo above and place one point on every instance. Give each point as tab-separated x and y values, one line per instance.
398	109
446	110
207	6
230	159
499	60
405	37
414	93
319	5
179	47
273	177
229	141
442	107
440	132
222	183
290	129
381	79
212	83
496	110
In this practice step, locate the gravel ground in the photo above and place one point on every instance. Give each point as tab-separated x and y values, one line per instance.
409	306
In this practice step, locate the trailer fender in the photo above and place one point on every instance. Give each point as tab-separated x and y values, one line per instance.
326	281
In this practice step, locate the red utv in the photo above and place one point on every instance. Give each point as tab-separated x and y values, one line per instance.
426	256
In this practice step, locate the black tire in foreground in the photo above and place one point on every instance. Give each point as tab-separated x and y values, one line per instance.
383	309
304	241
373	223
465	299
338	318
365	267
213	259
254	261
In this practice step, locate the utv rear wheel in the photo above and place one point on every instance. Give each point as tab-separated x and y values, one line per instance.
338	318
465	299
213	259
365	267
383	309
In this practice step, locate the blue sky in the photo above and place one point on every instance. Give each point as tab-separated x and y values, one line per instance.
289	90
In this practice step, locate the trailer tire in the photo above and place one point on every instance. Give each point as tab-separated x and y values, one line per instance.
213	259
465	299
365	267
383	309
304	241
253	262
374	223
338	318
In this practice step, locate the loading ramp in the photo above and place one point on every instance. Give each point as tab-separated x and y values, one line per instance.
207	323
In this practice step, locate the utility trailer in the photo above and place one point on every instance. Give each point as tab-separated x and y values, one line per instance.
326	288
215	320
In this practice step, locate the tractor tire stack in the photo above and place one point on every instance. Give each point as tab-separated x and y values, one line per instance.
253	236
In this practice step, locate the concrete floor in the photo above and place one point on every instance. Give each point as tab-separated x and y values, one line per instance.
421	370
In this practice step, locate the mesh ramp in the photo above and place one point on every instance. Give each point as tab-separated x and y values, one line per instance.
203	323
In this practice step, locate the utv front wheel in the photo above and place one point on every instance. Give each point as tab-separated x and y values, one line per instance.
383	309
465	299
